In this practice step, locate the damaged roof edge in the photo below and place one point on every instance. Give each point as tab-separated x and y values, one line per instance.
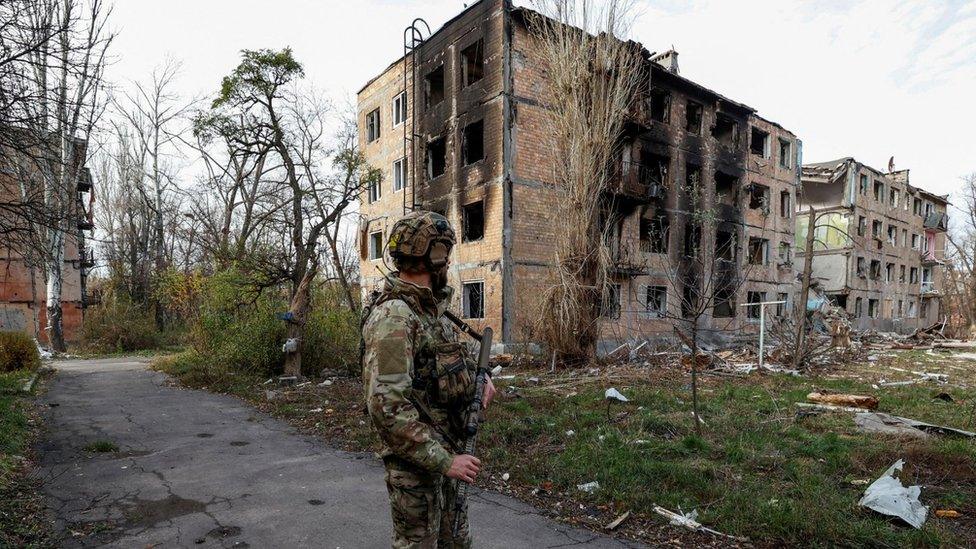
835	165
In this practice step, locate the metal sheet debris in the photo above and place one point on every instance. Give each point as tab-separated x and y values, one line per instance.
884	423
889	496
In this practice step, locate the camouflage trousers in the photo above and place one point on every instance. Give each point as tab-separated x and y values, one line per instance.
422	506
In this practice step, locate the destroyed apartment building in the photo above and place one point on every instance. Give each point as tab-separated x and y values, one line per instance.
458	126
879	247
23	290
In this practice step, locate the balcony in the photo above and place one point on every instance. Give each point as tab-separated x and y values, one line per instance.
636	182
928	259
928	287
936	222
84	181
626	258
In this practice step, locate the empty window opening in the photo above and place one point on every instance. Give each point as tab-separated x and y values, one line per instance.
726	189
873	308
693	117
436	157
434	87
654	234
724	300
917	206
759	143
878	191
654	172
373	190
725	246
892	235
473	145
399	174
862	225
893	195
785	253
858	307
911	309
758	197
785	153
660	101
754	299
861	268
376	245
876	227
399	108
611	301
864	184
781	308
726	131
913	275
889	272
473	221
656	300
875	269
473	295
915	241
901	274
785	204
373	125
904	237
473	62
758	251
840	301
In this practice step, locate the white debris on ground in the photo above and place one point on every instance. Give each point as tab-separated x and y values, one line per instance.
588	487
614	394
889	496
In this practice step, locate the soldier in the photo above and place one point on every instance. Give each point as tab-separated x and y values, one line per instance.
418	380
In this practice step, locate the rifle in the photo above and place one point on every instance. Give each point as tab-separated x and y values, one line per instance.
474	409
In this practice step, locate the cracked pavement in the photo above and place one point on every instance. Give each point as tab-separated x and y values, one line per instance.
195	469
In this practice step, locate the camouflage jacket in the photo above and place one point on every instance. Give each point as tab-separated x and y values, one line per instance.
418	378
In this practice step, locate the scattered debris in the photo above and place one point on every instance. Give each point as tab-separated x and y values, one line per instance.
854	401
505	477
496	370
617	521
889	496
325	383
947	513
315	410
570	433
817	408
945	397
613	394
689	521
877	422
589	487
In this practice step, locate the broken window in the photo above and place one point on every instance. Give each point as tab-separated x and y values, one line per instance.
785	153
399	108
373	125
875	269
892	235
376	245
913	275
889	272
473	62
660	103
373	190
917	206
473	221
654	234
725	246
726	131
781	308
436	157
693	117
924	311
785	253
901	274
434	87
927	284
399	174
873	308
915	241
759	142
862	225
726	189
759	197
878	190
692	240
758	251
611	302
911	309
864	184
473	144
754	299
654	171
904	237
900	305
860	267
858	307
785	204
656	300
876	227
724	299
473	298
908	200
893	197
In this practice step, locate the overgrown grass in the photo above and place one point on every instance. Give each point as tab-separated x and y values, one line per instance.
21	523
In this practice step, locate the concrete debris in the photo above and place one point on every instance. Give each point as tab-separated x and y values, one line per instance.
589	487
496	370
690	521
877	422
505	477
889	496
854	401
613	394
325	383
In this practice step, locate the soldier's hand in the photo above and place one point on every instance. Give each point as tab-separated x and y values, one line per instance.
464	467
489	393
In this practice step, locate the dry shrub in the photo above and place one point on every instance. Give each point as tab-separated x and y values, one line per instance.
18	351
594	79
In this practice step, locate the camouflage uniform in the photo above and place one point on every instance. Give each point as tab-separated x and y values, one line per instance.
418	380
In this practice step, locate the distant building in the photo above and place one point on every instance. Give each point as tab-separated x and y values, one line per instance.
23	292
457	126
880	244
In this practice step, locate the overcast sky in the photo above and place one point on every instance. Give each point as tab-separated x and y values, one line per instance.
870	79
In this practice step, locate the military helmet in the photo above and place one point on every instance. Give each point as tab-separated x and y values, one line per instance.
421	236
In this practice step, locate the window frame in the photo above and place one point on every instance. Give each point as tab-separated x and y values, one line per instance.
466	304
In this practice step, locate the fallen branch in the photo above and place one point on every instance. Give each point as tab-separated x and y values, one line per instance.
688	521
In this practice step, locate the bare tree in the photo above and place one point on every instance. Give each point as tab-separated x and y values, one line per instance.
961	282
594	77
